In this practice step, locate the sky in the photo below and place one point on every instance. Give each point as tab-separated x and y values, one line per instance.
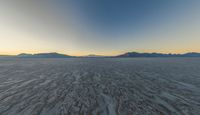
101	27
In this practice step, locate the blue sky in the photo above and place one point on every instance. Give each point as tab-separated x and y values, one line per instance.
104	27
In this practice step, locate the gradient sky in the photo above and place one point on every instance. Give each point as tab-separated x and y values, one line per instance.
103	27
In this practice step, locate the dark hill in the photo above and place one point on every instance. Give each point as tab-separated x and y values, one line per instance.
136	54
44	55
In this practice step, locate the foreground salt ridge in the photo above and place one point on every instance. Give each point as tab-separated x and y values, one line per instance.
100	86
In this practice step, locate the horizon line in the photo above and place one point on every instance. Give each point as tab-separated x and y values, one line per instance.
96	54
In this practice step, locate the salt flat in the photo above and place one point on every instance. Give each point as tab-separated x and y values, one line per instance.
100	86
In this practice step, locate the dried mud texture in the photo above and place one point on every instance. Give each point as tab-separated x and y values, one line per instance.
100	86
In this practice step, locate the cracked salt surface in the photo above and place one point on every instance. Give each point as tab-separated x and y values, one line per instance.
100	86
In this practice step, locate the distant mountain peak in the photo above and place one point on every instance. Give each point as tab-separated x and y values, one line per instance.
24	55
93	55
136	54
44	55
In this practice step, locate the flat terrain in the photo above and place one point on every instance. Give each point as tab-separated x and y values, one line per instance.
100	86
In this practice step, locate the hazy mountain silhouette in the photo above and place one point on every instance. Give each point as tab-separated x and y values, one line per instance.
125	55
192	54
44	55
93	56
136	54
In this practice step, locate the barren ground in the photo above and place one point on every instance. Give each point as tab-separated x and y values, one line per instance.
100	86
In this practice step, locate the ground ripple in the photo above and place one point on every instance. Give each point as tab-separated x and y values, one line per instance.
146	86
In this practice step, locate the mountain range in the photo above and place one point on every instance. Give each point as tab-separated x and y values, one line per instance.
44	55
125	55
136	54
